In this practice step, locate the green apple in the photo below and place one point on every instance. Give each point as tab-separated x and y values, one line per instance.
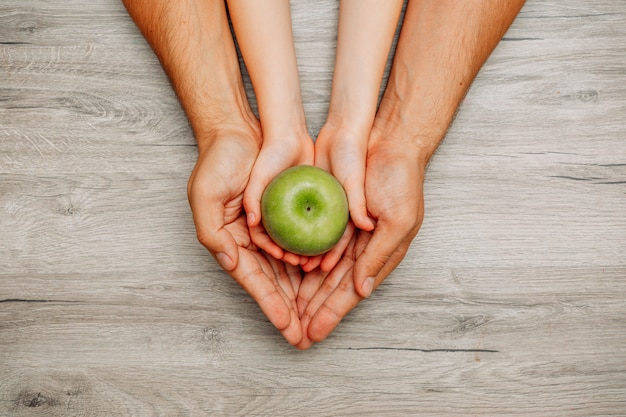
305	210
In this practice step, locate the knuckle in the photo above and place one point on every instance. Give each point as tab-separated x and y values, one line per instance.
346	285
327	287
190	188
401	224
406	221
379	263
204	239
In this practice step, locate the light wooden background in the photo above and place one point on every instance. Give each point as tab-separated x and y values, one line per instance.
511	301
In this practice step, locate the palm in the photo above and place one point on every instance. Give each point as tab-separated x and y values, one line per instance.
216	190
271	282
393	190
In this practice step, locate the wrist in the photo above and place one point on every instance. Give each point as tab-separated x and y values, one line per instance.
218	108
286	126
239	125
351	114
417	141
411	114
335	135
345	125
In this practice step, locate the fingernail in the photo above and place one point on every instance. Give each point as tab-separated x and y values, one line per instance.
251	219
225	261
367	287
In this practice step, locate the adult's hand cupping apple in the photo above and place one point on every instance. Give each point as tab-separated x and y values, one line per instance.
433	66
215	191
393	191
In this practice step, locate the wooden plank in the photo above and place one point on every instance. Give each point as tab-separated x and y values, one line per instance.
511	301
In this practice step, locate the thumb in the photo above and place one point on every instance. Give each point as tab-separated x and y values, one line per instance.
347	164
224	249
354	185
381	255
208	217
261	175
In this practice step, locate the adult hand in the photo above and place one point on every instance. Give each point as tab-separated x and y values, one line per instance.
215	192
424	89
393	191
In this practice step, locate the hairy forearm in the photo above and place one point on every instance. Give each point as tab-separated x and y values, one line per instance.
366	30
193	42
442	46
264	35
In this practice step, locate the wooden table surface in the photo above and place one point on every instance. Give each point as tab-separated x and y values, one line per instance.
511	300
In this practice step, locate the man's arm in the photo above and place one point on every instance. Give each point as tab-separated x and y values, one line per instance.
193	42
442	46
192	39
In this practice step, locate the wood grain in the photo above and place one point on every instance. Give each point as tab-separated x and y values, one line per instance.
510	302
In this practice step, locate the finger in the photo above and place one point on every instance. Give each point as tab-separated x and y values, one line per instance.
312	263
347	164
304	343
325	289
259	236
292	258
318	320
209	219
354	185
295	275
339	303
259	179
285	281
381	255
293	332
251	275
330	313
282	278
311	282
346	161
262	240
321	157
316	286
332	257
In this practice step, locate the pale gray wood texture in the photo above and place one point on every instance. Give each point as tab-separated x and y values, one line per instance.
511	301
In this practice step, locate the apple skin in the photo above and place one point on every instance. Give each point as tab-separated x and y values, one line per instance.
305	210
